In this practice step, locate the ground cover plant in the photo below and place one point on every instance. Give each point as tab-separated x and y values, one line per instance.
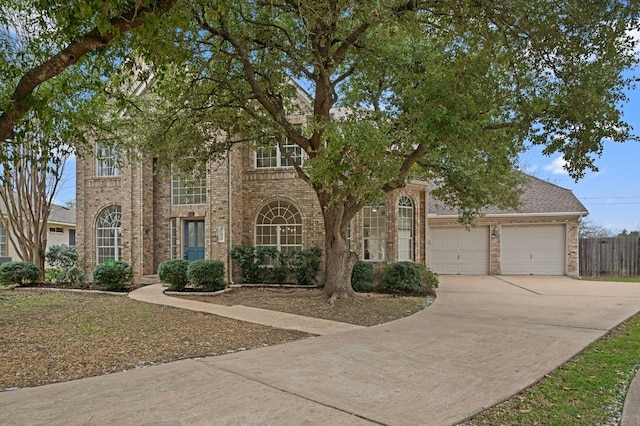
588	390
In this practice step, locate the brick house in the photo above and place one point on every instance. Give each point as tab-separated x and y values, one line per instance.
255	198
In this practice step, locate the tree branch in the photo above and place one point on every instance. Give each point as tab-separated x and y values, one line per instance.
93	40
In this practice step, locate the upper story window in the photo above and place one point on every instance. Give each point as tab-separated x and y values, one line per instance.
188	187
108	160
374	232
270	156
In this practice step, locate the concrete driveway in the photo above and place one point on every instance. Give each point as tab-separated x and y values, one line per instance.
484	339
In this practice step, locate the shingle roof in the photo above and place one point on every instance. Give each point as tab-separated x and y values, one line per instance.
62	214
539	197
59	214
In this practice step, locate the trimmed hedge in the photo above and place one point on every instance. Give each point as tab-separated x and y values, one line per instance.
409	278
363	277
112	275
18	272
174	273
206	274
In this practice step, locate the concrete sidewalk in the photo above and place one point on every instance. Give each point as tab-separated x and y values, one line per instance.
484	339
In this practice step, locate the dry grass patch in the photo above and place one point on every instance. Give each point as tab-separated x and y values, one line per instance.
48	337
366	310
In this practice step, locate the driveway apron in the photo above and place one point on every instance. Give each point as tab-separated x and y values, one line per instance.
484	339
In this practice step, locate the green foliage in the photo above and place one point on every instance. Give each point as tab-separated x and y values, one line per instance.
363	276
307	264
62	256
174	273
64	266
112	275
280	265
206	274
18	273
71	275
269	265
250	260
408	278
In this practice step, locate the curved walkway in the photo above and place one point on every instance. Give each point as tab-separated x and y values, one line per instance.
155	294
483	340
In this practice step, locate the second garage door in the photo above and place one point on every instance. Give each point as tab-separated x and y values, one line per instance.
533	250
456	250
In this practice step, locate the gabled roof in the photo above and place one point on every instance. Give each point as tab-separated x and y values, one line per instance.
538	197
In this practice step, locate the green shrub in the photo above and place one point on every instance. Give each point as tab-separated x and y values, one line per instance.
62	256
409	277
206	274
18	272
363	276
72	275
269	265
112	275
174	273
280	266
251	261
64	266
307	264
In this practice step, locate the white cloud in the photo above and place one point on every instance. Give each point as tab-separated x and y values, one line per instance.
556	167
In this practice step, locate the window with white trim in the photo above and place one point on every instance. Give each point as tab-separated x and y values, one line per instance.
108	161
374	232
188	187
405	229
3	240
271	157
108	234
279	225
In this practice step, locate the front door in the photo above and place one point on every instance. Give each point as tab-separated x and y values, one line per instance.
194	239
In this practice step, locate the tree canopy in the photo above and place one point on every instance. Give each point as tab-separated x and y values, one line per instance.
395	90
398	89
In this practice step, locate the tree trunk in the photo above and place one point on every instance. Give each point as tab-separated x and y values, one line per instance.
339	260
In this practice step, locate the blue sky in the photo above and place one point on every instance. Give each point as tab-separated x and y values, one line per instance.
612	195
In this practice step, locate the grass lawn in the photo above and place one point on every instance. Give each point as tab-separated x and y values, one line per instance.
588	390
615	279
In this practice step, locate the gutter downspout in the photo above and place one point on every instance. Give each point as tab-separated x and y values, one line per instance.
230	224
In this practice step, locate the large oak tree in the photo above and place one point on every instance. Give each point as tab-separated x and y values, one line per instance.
450	91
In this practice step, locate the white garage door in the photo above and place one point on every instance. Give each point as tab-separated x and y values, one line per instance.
456	250
533	250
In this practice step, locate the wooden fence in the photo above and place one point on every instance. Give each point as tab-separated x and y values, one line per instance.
618	257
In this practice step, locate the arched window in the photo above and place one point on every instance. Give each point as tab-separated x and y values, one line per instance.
405	229
279	225
108	234
374	232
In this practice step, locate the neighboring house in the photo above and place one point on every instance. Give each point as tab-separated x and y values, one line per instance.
61	230
255	198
